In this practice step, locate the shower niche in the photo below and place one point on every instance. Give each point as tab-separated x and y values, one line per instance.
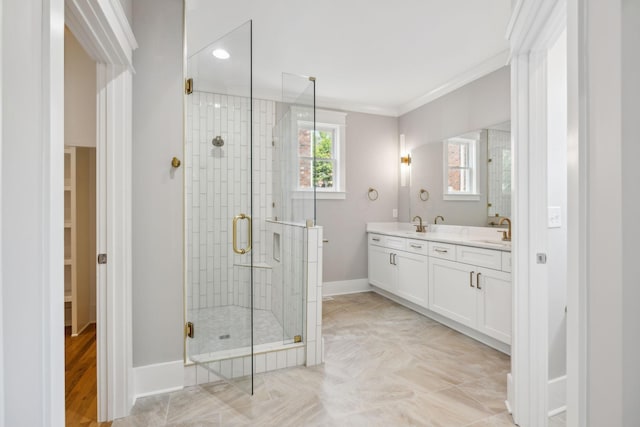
252	252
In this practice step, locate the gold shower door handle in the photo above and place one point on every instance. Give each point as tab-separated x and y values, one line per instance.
235	234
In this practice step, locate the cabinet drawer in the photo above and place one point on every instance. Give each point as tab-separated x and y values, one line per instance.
387	241
417	246
442	250
376	239
506	262
478	256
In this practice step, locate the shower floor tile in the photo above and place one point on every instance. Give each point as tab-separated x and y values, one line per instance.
220	329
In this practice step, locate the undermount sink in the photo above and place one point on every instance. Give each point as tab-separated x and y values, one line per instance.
492	242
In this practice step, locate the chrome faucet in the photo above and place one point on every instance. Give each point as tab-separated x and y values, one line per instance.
506	235
420	228
435	221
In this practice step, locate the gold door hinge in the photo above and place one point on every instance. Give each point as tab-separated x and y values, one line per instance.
189	329
297	338
188	86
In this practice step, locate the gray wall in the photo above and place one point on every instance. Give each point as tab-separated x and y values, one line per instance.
79	94
157	194
611	210
630	209
372	160
127	6
483	102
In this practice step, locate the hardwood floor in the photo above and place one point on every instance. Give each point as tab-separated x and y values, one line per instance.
80	378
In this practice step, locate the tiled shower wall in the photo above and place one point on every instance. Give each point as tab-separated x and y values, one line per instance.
287	243
499	149
217	187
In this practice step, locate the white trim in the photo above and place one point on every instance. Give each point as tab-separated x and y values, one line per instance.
104	32
486	67
114	238
52	113
159	378
531	31
335	120
557	395
473	140
577	212
320	194
461	197
102	29
2	418
343	287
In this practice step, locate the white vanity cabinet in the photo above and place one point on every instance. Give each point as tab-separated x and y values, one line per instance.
473	291
399	266
452	291
467	284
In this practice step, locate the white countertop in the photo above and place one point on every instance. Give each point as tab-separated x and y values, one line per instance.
481	237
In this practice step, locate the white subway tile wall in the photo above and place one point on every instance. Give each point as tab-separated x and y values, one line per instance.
218	185
499	171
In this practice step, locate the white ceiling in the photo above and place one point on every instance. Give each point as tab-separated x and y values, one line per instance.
379	56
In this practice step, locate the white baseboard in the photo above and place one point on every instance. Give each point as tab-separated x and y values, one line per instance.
159	378
343	287
470	332
557	392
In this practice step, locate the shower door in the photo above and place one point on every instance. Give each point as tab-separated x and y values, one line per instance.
219	246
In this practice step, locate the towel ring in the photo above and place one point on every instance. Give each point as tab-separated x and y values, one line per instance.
424	195
372	194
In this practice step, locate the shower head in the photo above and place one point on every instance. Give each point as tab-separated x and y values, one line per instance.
217	141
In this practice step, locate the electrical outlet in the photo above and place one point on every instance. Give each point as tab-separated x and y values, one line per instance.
555	217
394	213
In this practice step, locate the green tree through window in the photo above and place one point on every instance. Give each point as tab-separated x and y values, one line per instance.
323	170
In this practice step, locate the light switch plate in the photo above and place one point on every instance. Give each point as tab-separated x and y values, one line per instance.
555	217
395	213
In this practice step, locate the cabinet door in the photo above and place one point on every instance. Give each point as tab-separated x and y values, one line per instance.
494	304
450	291
381	272
413	276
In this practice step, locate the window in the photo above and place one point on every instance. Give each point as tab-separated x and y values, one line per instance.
327	171
460	168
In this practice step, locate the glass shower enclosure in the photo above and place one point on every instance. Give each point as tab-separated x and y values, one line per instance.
244	271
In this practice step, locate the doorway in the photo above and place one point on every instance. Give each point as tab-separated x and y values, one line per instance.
80	284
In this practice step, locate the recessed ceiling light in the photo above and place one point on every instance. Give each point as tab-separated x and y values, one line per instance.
221	54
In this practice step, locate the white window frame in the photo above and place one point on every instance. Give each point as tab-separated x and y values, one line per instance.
335	121
473	195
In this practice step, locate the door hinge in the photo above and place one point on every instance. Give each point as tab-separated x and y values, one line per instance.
102	258
189	329
188	86
297	338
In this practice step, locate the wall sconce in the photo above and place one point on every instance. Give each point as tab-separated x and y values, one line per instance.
405	163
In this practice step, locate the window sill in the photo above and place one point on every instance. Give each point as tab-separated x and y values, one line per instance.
320	195
461	197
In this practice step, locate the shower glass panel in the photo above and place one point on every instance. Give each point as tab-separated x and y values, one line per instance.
249	198
220	240
294	198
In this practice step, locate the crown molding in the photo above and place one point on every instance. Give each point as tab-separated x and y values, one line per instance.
486	67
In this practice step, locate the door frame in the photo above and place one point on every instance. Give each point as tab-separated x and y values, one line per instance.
102	28
534	27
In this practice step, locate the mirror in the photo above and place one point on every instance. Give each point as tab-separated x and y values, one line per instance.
487	164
